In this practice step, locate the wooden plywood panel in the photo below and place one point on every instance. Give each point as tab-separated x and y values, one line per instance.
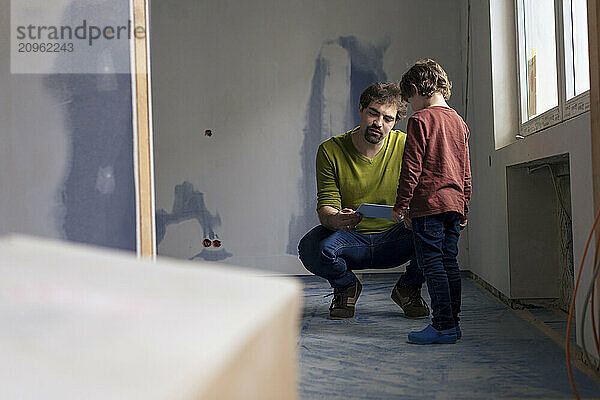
145	191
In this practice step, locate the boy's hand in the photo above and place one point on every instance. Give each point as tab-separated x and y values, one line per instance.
397	215
408	223
463	223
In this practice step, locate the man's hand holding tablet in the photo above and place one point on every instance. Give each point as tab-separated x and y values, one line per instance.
375	210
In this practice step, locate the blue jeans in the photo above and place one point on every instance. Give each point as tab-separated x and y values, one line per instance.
333	255
436	248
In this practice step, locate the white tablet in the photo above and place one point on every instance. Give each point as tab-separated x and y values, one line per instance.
375	210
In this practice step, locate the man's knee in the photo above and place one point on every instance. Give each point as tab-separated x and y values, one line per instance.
313	238
309	245
304	251
316	251
305	246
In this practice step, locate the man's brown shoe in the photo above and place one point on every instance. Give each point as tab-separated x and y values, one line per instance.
344	300
410	300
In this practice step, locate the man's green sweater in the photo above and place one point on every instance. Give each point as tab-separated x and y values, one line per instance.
346	178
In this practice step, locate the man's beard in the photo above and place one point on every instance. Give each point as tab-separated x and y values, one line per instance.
372	138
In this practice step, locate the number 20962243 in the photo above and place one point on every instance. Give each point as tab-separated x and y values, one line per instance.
46	47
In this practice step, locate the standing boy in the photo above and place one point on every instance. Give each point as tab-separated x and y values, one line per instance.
434	192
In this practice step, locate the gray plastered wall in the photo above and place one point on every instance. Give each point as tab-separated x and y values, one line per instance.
271	80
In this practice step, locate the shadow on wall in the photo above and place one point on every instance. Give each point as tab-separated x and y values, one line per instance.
189	204
343	69
99	189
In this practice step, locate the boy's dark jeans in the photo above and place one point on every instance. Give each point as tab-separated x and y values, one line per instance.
436	248
333	255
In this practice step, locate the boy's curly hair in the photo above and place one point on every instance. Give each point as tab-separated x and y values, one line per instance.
429	77
384	93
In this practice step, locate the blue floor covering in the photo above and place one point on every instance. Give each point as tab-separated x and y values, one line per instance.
501	355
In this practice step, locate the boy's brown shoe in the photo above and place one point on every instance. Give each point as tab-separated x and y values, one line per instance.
344	300
410	300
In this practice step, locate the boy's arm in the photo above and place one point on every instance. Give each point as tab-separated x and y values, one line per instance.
467	181
412	164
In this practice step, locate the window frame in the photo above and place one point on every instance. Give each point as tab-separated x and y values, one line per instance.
565	109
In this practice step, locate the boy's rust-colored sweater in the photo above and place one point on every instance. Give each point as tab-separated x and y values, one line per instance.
436	173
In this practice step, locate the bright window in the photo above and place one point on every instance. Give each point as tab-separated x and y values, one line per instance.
577	75
553	61
537	48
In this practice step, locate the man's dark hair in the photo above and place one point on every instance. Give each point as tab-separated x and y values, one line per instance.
384	93
429	77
